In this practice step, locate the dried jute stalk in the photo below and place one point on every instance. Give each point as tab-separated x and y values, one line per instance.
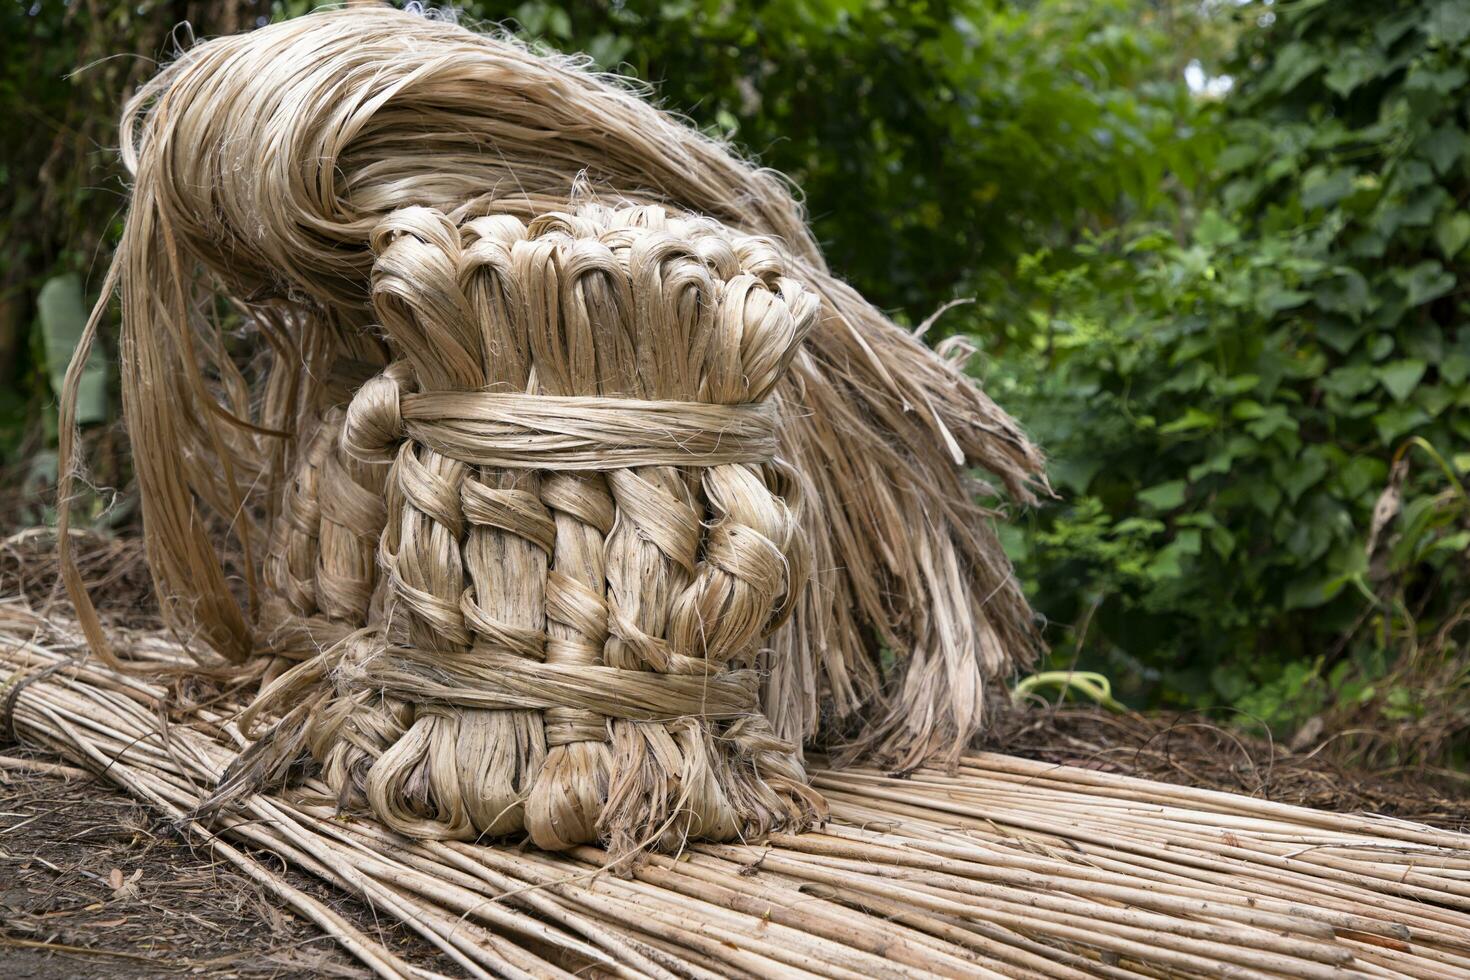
588	533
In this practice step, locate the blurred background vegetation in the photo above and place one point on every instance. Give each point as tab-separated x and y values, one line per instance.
1213	254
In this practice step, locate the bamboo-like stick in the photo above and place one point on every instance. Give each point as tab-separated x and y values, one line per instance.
1146	789
1006	869
41	766
1428	920
373	955
1248	860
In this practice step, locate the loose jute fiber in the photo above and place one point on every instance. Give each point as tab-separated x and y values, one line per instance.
368	235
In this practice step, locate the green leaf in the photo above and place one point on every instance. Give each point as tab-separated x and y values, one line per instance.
1294	64
1417	209
1192	347
1352	69
1424	282
1345	292
1400	377
1445	146
559	23
1340	335
1231	682
1440	82
1360	475
1190	377
1301	475
1452	233
1455	368
1348	381
1168	564
1423	340
63	317
1074	472
1164	496
1237	157
1214	464
1454	543
1192	419
1387	30
1266	497
1448	22
1397	420
1312	527
1322	187
1308	593
1247	410
1214	230
1237	384
1273	420
1434	399
1274	299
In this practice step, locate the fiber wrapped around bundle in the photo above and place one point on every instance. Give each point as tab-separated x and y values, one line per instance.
587	535
297	189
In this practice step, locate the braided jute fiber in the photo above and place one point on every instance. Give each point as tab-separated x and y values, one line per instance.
590	535
264	163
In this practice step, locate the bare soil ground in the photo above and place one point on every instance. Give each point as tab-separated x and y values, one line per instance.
1190	749
93	885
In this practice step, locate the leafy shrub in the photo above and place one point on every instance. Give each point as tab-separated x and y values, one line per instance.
1228	408
931	138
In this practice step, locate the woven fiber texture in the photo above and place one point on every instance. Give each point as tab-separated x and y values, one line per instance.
587	534
282	326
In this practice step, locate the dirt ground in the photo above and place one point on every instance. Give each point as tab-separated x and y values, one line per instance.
1191	749
92	885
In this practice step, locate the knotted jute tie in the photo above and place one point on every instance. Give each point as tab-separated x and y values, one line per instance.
587	533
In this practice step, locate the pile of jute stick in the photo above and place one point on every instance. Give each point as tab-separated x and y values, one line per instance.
1003	867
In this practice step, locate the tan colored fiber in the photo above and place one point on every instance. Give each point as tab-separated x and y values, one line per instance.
267	168
588	538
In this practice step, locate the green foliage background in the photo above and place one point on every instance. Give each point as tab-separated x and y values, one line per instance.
1237	321
1229	401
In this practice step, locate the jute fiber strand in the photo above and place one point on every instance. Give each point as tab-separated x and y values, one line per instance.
265	163
586	537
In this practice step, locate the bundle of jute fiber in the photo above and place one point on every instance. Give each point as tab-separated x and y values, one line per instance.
587	534
262	165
